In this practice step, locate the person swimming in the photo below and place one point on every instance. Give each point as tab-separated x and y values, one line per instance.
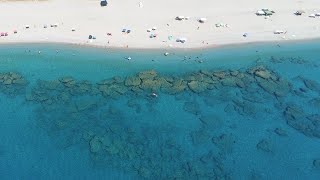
154	95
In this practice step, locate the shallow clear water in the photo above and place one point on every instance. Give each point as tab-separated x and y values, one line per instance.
238	112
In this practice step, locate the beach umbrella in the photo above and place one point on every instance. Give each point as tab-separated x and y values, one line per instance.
154	28
179	18
298	13
183	40
268	13
317	14
27	26
5	34
202	20
15	31
260	13
149	30
278	32
2	34
312	15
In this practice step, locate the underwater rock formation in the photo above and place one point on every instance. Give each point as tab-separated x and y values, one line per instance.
306	124
315	102
280	132
316	163
211	121
264	145
192	107
106	116
312	85
12	83
200	136
224	142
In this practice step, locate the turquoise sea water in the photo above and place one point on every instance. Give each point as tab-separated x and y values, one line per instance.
235	112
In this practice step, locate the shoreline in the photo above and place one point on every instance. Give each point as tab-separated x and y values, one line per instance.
190	49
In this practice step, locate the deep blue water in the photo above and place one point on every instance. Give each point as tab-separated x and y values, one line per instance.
235	112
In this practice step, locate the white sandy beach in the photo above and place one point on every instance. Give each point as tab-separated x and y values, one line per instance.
88	18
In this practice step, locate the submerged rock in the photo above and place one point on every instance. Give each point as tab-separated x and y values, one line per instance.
84	104
312	85
211	121
106	82
220	74
67	79
206	72
95	145
229	108
264	145
144	172
308	125
7	81
178	86
113	90
200	136
12	83
224	142
280	132
149	84
163	81
51	85
240	83
244	107
19	82
197	86
132	81
147	74
280	87
84	87
293	113
192	107
315	102
230	81
265	74
316	163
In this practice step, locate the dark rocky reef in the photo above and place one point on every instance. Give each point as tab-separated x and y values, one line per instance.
83	112
12	84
